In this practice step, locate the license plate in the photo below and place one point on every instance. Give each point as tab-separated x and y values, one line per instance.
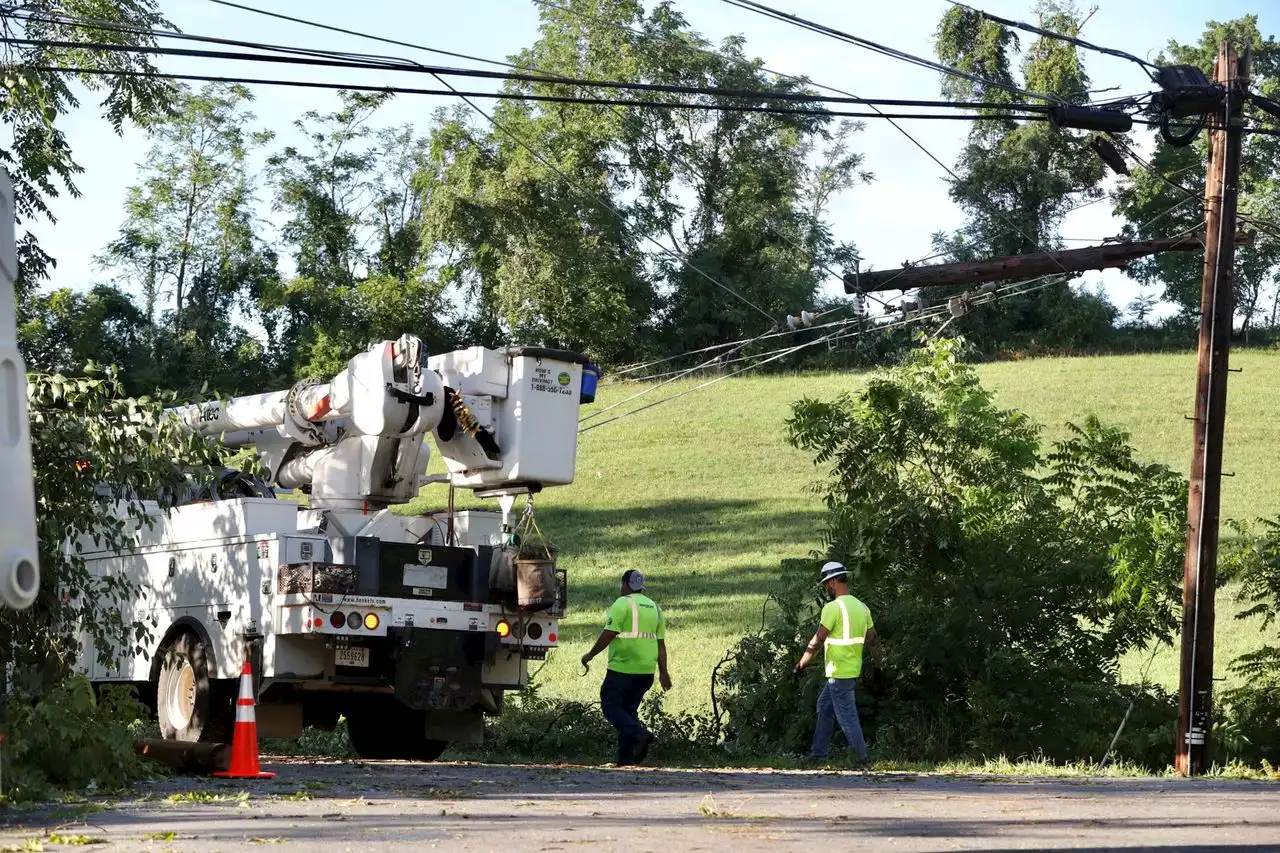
351	656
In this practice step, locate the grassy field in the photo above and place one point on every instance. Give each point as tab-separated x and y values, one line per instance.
705	496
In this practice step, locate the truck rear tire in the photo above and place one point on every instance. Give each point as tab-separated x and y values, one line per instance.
387	730
190	706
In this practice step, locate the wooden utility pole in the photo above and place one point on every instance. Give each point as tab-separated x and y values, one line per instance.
1107	256
1217	309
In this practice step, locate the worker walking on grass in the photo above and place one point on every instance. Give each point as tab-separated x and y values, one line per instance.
845	629
635	635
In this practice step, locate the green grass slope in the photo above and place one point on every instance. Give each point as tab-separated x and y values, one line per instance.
705	496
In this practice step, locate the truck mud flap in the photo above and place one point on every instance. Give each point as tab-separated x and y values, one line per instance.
439	670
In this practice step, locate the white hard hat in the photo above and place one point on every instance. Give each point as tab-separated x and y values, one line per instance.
832	570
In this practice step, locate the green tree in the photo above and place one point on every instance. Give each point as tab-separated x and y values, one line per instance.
92	447
65	330
1016	181
1141	307
740	197
1167	198
1248	728
188	242
761	187
541	243
39	159
354	229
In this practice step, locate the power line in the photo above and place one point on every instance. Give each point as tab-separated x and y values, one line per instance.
450	91
785	352
438	71
840	35
805	81
344	31
684	260
719	357
1078	42
116	26
1152	169
946	69
936	312
675	377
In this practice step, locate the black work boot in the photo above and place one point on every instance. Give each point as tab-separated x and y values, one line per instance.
642	749
626	753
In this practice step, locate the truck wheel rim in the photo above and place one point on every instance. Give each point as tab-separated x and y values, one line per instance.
182	696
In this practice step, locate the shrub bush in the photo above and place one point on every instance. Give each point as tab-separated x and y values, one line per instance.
1006	582
72	739
1248	718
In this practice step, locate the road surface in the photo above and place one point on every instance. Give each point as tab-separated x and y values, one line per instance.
371	806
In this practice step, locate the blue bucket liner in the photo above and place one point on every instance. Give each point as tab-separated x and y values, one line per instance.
590	378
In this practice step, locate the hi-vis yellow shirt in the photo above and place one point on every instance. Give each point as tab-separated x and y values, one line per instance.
637	619
847	620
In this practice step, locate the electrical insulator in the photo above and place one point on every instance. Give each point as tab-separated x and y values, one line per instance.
806	318
792	322
860	304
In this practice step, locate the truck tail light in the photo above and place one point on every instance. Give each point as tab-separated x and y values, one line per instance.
337	619
503	628
371	621
353	620
534	631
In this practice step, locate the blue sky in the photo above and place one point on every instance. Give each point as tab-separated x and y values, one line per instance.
890	221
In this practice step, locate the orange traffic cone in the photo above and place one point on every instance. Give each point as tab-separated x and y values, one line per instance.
244	739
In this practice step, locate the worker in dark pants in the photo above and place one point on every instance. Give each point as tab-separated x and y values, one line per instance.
635	635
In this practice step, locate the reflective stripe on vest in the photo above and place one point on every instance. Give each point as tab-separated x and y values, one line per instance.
845	640
634	633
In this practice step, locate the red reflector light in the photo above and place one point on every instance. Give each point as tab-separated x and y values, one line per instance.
318	622
337	619
551	638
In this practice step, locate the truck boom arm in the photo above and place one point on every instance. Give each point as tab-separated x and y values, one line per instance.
505	422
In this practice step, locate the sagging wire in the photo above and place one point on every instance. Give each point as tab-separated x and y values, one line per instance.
717	358
894	53
632	368
993	295
1148	67
675	376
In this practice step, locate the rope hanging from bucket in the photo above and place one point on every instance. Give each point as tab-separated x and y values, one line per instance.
535	565
533	545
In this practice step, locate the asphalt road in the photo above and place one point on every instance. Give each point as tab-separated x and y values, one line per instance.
367	806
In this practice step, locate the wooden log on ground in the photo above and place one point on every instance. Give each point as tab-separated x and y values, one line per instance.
186	757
